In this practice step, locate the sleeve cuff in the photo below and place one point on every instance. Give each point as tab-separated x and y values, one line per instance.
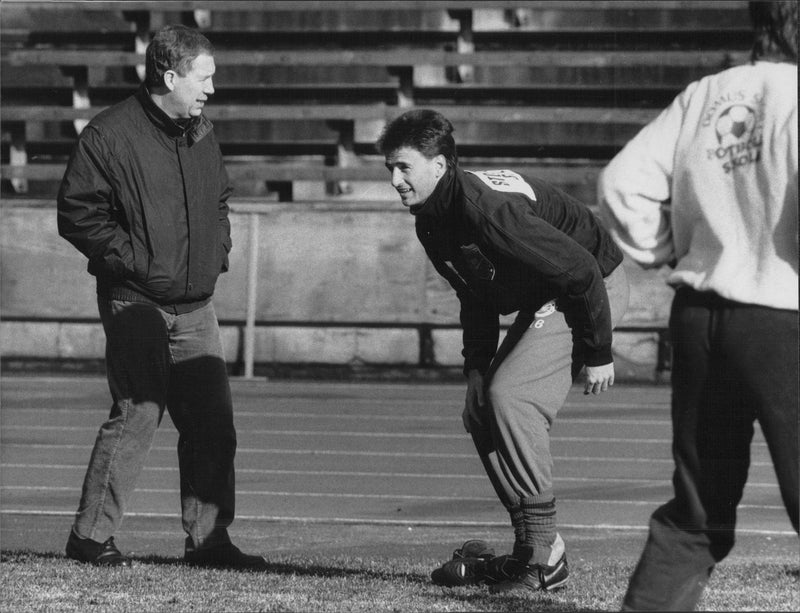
479	364
598	357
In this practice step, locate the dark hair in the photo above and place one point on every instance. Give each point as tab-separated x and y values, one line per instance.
427	131
173	48
775	28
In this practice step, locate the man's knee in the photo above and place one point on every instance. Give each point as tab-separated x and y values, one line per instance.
514	410
502	398
519	404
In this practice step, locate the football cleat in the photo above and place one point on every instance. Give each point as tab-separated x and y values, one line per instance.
504	568
513	575
536	577
467	567
474	548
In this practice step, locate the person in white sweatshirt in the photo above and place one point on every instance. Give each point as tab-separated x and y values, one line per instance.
709	188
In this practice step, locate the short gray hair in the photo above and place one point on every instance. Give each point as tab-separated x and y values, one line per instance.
173	48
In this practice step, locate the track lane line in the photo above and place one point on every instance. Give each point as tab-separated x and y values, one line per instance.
387	454
399	522
393	496
398	435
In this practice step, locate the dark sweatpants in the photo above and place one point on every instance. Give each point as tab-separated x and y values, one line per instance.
732	364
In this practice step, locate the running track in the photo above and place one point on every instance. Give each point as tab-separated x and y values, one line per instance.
364	454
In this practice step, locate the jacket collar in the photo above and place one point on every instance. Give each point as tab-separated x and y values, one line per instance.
439	205
194	130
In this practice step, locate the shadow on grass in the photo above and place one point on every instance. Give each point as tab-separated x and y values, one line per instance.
20	555
465	598
301	569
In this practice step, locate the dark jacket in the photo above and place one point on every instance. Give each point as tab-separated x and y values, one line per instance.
145	199
509	243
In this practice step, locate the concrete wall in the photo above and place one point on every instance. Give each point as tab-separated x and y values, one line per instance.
336	284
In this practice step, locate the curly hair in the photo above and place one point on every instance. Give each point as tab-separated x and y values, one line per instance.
173	48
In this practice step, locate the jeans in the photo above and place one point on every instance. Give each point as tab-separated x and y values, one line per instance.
156	360
732	364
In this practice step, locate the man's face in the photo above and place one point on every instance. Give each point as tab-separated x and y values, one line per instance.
413	175
189	92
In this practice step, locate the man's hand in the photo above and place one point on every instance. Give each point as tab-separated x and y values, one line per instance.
599	378
475	402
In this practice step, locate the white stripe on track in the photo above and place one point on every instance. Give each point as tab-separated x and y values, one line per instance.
277	387
651	503
246	492
451	418
389	475
394	522
367	417
346	473
345	433
382	403
388	454
341	495
399	435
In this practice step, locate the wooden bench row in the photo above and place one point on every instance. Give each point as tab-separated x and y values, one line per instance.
294	181
534	98
406	72
364	112
345	136
258	6
407	57
585	172
297	74
413	15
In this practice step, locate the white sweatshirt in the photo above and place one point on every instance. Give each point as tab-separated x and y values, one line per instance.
711	186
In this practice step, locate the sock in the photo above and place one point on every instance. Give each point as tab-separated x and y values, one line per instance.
521	551
540	527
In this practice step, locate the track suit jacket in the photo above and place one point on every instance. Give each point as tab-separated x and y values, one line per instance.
507	243
145	200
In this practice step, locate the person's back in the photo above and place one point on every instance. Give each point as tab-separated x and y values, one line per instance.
729	142
710	188
734	184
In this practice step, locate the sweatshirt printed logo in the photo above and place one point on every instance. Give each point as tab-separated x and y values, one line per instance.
738	130
548	308
505	181
545	310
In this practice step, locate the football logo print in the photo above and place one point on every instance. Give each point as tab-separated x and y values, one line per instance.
546	309
734	123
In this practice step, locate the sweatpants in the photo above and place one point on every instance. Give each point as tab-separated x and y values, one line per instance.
732	364
527	383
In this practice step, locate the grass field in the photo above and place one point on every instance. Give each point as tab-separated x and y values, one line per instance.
352	567
46	582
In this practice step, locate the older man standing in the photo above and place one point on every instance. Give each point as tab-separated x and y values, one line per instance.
144	198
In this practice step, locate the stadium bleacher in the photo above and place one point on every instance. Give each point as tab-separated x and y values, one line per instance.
303	89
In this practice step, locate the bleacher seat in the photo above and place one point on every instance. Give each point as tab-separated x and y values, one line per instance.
304	88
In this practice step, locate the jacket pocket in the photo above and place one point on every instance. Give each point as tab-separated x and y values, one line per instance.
140	252
478	263
223	248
